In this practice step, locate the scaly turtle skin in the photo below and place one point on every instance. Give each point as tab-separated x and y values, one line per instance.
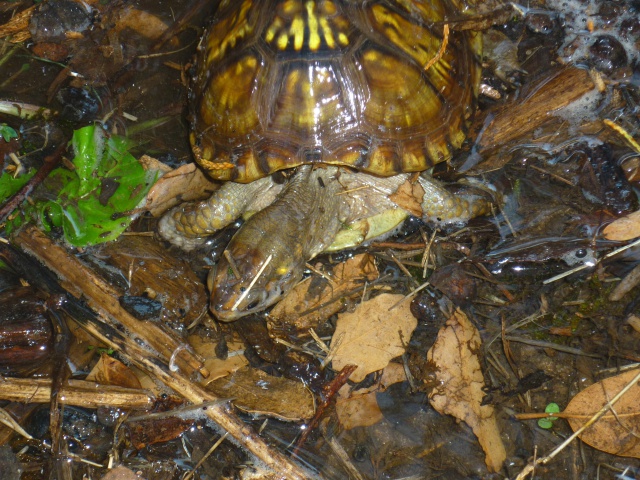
353	94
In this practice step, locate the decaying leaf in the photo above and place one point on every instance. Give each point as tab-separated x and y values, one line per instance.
217	367
121	473
256	392
144	23
316	299
625	228
183	184
372	334
150	163
616	432
360	408
409	197
455	355
110	371
143	433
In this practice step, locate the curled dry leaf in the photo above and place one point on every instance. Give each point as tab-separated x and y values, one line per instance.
143	23
183	184
217	367
455	355
409	197
121	473
110	371
615	432
256	392
360	408
315	299
625	228
372	334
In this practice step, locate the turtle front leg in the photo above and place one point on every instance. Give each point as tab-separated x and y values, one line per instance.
188	225
439	205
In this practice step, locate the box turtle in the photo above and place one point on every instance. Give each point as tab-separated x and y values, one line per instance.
348	97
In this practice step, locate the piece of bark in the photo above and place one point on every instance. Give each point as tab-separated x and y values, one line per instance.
151	267
517	119
81	282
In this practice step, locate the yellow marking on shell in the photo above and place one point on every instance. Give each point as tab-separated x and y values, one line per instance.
412	162
307	24
327	32
226	34
272	29
438	151
456	137
283	40
426	49
312	22
329	8
291	7
297	31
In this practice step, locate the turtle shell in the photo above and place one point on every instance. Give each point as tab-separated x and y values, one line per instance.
364	84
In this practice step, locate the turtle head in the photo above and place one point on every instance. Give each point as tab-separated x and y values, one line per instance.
249	281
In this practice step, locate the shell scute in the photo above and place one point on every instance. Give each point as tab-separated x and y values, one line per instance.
282	83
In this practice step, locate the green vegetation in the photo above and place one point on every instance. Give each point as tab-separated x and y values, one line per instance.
90	202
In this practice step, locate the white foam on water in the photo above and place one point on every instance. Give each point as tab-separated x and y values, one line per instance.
575	16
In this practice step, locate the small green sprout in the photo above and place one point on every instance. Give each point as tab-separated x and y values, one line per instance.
7	132
547	422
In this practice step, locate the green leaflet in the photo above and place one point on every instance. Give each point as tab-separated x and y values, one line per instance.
86	202
10	185
90	199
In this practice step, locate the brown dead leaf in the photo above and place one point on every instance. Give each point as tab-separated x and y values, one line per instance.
315	299
121	473
150	163
360	408
625	228
357	409
455	354
372	335
143	433
256	392
110	371
409	197
143	23
614	433
183	184
218	367
147	383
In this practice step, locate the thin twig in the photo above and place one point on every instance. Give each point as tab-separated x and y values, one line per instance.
253	282
608	406
443	47
50	162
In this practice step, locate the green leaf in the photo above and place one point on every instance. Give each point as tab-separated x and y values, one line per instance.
547	422
88	145
9	185
7	132
107	181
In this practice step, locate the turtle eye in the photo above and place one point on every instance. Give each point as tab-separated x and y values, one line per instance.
253	305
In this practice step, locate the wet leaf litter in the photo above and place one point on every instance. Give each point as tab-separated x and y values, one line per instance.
577	329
